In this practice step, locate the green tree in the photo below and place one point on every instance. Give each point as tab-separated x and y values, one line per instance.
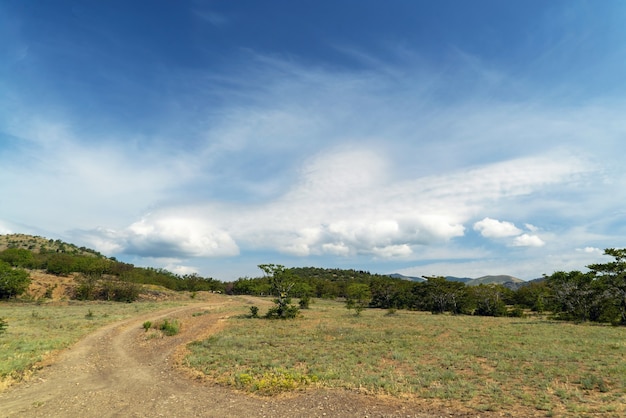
13	281
575	295
358	296
612	279
60	264
281	282
534	295
489	299
443	295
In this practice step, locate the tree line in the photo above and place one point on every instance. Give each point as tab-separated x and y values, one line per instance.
597	295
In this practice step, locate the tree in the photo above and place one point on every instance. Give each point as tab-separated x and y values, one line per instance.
443	295
575	295
281	282
13	281
535	295
358	296
489	299
60	264
612	278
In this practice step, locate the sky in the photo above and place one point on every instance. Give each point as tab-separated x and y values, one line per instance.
447	138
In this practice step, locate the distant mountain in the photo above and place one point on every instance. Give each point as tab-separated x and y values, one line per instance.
403	277
501	279
459	279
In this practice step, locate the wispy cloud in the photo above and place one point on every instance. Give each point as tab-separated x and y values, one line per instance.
321	162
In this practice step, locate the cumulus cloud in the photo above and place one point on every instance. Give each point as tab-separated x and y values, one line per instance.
526	240
178	236
305	161
332	210
590	250
491	228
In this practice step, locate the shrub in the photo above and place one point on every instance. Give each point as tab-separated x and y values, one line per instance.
170	328
304	302
18	257
13	282
3	326
125	292
283	312
93	288
254	311
60	264
517	312
147	325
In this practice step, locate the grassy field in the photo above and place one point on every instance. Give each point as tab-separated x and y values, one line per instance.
494	364
37	330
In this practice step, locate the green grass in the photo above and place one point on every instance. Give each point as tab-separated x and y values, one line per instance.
37	330
485	363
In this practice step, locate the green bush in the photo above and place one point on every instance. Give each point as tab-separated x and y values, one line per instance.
125	292
60	264
147	325
93	287
304	302
13	282
3	326
170	328
283	312
18	257
254	311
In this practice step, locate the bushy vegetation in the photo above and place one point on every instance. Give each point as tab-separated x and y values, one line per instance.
598	295
13	281
169	327
102	278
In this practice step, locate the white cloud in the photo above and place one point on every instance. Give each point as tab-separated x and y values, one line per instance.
332	210
590	250
491	228
4	229
306	161
181	270
526	240
531	228
174	235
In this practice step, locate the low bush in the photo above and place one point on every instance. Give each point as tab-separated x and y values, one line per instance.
170	328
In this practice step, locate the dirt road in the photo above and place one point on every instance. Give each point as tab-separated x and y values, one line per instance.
117	372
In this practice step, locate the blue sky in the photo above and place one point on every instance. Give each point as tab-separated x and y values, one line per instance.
426	138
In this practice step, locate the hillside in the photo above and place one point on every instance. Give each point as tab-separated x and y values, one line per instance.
500	279
38	245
